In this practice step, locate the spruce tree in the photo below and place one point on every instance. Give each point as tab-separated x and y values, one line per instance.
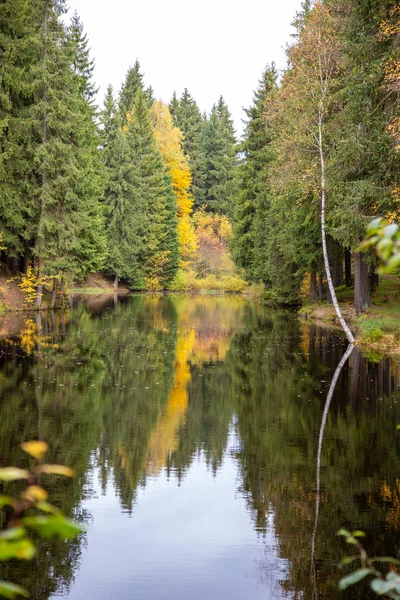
174	108
109	119
90	181
188	119
125	220
55	123
131	86
221	160
18	41
82	64
159	252
251	203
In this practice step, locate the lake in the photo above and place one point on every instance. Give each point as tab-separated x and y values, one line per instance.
194	427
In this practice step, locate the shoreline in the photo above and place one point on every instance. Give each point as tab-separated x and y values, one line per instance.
377	330
368	328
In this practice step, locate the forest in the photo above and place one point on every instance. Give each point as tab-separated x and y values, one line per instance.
165	197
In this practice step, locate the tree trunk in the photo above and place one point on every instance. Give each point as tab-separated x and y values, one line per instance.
39	294
313	287
337	263
374	277
54	293
320	287
116	282
361	283
343	323
347	267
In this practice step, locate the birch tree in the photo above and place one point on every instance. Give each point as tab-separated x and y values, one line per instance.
302	114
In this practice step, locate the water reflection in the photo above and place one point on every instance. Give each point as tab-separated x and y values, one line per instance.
193	424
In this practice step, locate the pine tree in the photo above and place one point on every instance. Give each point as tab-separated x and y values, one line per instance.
188	119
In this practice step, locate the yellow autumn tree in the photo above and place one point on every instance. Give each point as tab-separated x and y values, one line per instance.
169	142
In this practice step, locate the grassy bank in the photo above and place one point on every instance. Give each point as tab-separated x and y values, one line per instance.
378	328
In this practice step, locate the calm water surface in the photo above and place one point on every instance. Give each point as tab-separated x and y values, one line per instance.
193	425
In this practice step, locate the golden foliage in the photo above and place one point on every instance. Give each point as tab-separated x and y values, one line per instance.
187	241
393	496
164	439
158	264
169	142
28	336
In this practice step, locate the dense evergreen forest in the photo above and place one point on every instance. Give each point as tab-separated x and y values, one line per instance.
162	196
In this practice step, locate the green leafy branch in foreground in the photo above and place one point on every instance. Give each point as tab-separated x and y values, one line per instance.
385	237
49	522
388	584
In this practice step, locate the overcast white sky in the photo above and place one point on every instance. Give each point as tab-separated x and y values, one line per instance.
212	47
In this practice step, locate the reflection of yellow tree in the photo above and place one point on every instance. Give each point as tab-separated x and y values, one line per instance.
29	336
392	495
164	439
204	333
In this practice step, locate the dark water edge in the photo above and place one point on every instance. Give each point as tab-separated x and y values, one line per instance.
193	424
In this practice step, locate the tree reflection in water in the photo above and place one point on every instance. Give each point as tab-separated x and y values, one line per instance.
329	397
146	387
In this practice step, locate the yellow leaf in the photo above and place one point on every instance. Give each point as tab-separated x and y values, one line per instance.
35	448
34	493
56	470
13	473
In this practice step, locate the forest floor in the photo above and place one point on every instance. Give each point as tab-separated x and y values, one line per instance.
12	298
97	283
377	330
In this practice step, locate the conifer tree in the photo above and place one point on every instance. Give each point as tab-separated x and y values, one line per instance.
160	251
129	90
221	161
90	181
18	39
174	108
54	117
251	204
125	220
82	64
62	149
188	119
109	119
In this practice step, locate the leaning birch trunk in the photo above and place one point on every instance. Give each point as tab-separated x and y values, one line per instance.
335	303
328	401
